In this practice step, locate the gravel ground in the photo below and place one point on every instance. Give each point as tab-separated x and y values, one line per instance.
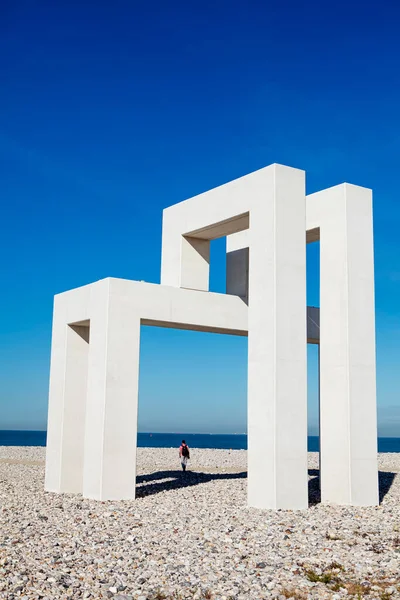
191	536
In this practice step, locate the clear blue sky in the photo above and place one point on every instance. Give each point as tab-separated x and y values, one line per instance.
111	111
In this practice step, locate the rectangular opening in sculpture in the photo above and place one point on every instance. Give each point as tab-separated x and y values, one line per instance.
313	390
218	265
313	422
189	382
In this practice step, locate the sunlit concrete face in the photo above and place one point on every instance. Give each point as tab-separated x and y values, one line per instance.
92	422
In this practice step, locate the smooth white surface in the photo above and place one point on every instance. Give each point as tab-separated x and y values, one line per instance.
67	398
110	442
272	203
277	367
341	218
92	423
347	345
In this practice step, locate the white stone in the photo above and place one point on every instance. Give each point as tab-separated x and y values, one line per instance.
92	423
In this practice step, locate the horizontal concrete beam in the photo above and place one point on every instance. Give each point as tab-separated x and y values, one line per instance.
176	308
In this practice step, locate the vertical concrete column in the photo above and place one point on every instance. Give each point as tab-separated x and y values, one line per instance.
277	369
67	404
191	254
347	362
112	398
237	264
195	264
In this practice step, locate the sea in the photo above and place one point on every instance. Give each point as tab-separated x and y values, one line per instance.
173	440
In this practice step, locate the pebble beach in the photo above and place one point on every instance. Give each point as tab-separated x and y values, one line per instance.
191	536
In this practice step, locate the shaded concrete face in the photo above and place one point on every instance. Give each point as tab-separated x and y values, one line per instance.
92	421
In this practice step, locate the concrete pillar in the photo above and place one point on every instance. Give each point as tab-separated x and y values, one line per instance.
112	397
277	367
237	264
195	263
185	260
347	361
67	403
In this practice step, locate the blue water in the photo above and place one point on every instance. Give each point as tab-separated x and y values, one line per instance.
173	440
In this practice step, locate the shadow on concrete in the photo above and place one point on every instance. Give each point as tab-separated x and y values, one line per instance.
177	479
385	479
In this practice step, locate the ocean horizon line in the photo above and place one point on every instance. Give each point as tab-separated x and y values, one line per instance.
391	437
158	439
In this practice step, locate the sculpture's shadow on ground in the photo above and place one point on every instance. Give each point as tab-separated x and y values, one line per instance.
163	481
314	493
385	483
386	479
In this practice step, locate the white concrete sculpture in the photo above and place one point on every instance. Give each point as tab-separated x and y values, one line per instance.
92	424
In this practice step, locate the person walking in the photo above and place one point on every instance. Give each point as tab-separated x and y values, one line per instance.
184	455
